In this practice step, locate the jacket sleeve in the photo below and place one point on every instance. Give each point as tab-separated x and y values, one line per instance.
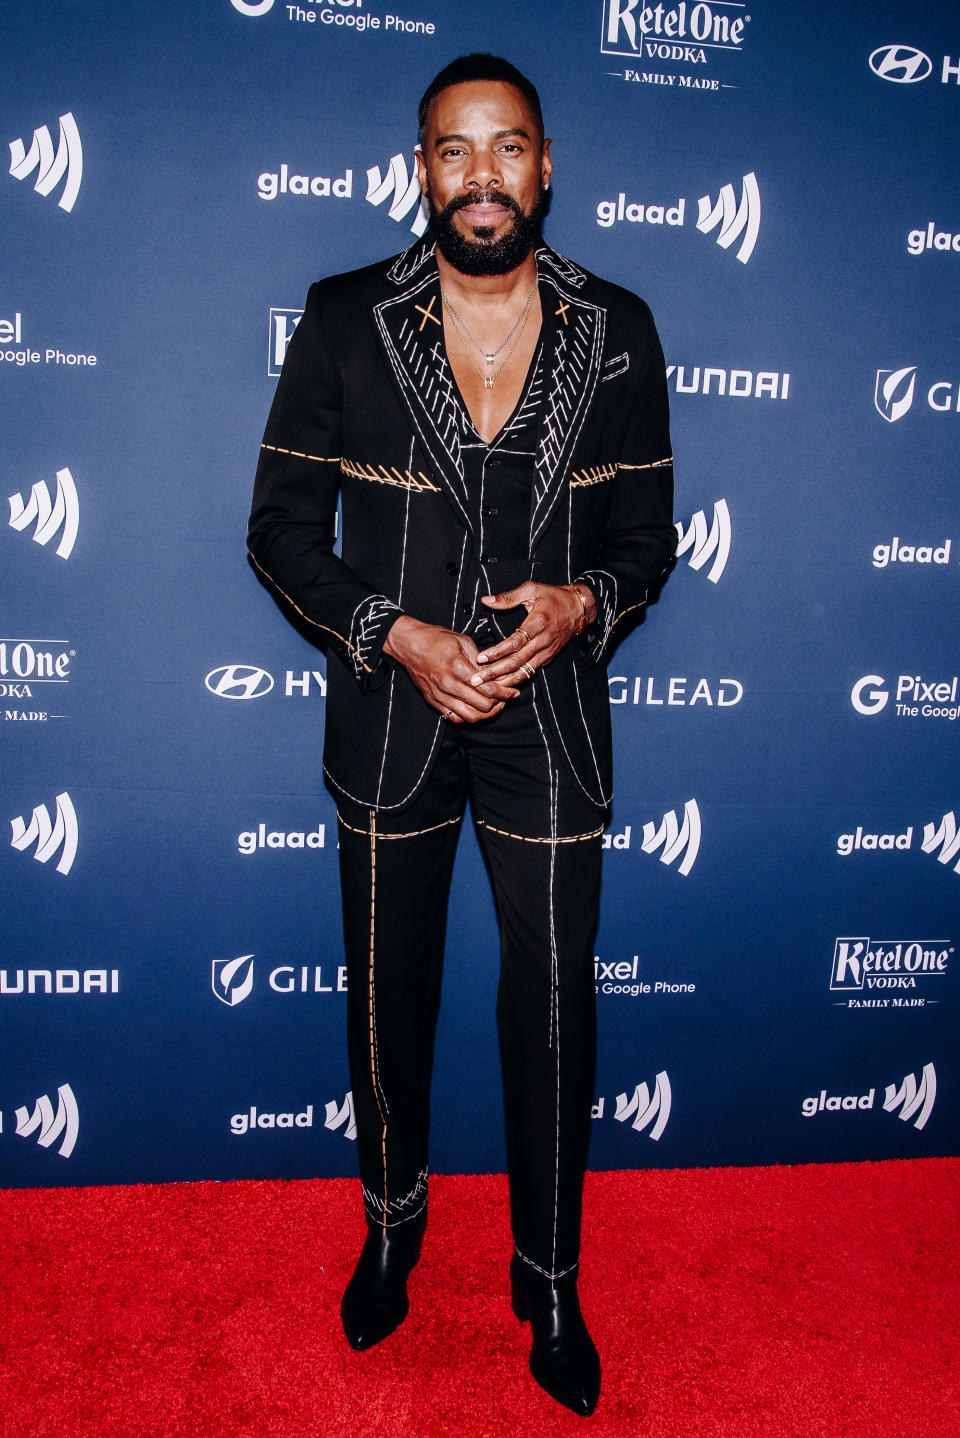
640	539
293	520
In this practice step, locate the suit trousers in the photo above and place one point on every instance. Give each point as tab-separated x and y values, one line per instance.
541	840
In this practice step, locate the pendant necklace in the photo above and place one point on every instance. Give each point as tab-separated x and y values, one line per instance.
490	357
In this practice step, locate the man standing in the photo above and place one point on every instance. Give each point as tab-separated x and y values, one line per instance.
495	420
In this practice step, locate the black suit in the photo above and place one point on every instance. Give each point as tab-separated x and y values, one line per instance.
367	404
363	406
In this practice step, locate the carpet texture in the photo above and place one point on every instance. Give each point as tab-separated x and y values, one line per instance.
747	1303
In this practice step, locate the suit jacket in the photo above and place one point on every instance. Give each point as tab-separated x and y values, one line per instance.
367	405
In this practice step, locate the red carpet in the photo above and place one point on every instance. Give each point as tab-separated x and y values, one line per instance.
747	1303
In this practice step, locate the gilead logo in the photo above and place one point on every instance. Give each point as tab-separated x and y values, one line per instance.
909	1100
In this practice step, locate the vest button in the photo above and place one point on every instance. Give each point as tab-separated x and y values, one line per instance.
488	559
452	569
487	512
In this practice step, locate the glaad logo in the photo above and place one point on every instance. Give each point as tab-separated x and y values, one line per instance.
908	1098
897	553
282	325
861	964
911	1096
643	1108
60	515
232	979
250	840
402	188
900	63
675	838
734	220
51	168
49	837
931	239
239	681
917	698
341	1116
703	544
336	1116
943	839
273	183
65	1121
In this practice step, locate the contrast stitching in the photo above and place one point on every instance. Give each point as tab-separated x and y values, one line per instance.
552	1276
404	479
654	464
413	832
315	622
299	454
596	475
526	838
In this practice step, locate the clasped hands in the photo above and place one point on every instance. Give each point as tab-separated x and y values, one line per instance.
467	685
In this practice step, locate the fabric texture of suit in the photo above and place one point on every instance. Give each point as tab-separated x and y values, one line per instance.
367	406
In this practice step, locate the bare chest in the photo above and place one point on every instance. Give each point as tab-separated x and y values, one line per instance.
490	387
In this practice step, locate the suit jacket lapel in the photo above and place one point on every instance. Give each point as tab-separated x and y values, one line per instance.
410	328
574	367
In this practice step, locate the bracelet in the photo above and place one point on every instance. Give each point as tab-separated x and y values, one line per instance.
575	589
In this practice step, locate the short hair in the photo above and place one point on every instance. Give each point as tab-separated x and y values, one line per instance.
479	67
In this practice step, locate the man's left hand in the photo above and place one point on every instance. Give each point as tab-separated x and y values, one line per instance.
554	615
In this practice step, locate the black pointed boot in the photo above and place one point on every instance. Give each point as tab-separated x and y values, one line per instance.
375	1300
563	1359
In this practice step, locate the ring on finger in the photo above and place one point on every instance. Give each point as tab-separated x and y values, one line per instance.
528	670
446	714
526	636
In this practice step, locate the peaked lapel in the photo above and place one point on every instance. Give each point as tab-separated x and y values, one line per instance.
570	383
410	329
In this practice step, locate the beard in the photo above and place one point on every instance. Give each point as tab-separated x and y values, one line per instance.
484	255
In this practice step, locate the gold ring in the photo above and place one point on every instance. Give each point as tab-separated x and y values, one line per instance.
526	636
528	670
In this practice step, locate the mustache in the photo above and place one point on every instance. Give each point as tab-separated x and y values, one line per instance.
480	197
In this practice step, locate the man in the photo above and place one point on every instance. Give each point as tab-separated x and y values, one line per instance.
495	420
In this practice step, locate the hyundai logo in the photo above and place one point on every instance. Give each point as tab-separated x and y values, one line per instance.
239	681
900	63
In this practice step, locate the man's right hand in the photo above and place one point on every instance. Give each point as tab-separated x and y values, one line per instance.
441	662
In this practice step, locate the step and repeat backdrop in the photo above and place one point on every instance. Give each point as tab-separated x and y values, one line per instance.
776	967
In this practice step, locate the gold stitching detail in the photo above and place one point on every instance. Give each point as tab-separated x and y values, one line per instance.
412	834
405	478
315	622
299	454
655	464
373	1050
597	475
630	609
570	839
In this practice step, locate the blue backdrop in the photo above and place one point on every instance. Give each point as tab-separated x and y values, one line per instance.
776	966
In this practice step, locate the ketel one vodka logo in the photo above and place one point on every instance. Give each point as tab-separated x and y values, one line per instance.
862	965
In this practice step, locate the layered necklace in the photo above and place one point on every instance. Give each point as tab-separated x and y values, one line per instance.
489	357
